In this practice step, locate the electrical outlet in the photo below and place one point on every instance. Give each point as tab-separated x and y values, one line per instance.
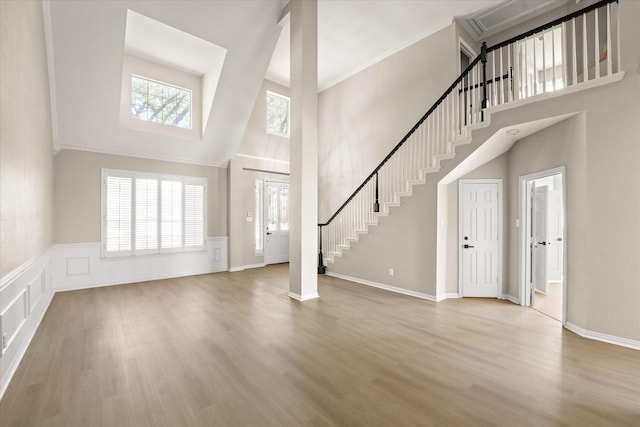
391	272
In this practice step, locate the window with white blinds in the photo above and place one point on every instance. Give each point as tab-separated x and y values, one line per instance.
147	213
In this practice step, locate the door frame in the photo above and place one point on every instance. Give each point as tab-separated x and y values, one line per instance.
497	181
525	219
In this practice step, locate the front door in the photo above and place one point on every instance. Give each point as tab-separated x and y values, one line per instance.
276	214
479	238
539	241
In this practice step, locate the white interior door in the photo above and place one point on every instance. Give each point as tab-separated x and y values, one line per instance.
479	239
539	242
555	245
276	214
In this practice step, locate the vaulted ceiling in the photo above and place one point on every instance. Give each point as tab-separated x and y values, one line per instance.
88	46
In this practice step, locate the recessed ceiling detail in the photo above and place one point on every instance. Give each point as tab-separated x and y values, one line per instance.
488	22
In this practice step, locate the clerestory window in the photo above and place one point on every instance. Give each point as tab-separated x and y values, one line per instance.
158	102
277	114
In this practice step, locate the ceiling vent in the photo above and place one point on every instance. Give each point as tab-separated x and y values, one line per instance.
493	20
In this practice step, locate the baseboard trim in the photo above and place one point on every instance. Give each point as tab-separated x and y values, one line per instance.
510	298
303	298
610	339
141	279
383	286
83	266
246	267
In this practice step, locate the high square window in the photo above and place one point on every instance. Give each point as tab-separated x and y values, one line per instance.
277	114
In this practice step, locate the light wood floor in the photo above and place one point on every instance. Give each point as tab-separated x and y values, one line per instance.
231	349
551	302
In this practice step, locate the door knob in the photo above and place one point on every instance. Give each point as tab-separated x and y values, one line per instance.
542	243
269	233
468	246
559	239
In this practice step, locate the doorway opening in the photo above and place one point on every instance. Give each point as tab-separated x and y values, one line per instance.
543	242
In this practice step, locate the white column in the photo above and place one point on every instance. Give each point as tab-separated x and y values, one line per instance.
303	186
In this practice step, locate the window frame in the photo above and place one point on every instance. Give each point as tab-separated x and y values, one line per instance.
165	84
266	116
159	177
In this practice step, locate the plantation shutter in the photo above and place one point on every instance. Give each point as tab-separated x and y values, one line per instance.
193	215
118	214
146	214
171	213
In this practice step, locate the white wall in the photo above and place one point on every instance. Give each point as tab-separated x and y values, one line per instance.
78	191
363	117
26	165
26	176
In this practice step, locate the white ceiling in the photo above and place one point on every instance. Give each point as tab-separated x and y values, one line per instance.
88	40
354	34
88	44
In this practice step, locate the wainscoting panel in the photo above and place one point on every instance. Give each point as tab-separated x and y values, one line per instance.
25	294
81	265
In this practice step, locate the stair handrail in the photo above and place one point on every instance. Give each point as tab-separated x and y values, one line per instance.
480	57
405	138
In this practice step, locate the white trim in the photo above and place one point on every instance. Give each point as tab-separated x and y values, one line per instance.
266	159
139	268
524	217
48	39
6	378
610	339
21	269
463	47
589	84
301	298
450	295
384	286
168	158
498	182
510	298
17	285
246	267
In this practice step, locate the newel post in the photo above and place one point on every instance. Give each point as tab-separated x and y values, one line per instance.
321	267
376	203
483	59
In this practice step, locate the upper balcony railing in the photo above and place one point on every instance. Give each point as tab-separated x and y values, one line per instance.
571	51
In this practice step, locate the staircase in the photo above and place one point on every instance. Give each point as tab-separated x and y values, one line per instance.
561	56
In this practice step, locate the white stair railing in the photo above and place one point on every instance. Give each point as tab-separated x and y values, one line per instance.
570	51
